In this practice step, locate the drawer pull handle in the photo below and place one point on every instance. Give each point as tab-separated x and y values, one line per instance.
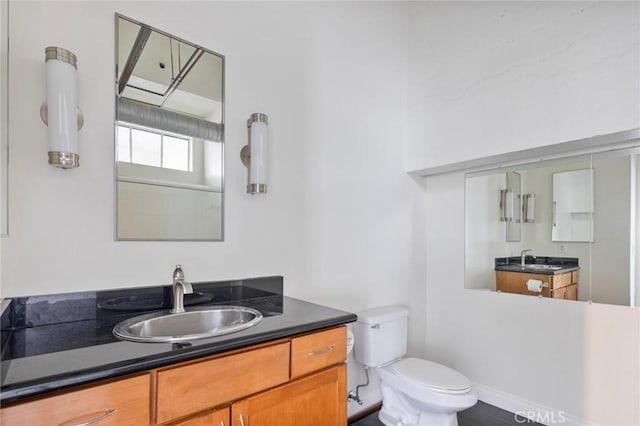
91	421
241	420
221	422
322	352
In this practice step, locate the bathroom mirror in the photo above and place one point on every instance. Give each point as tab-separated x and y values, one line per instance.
572	206
602	188
169	136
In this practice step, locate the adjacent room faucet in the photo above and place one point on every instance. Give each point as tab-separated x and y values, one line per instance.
180	288
523	256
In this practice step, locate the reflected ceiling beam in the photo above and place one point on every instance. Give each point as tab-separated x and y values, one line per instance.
611	141
134	56
188	66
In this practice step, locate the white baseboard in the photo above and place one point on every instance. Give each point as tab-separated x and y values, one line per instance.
526	408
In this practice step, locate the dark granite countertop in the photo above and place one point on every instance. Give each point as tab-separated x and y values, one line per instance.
545	265
55	342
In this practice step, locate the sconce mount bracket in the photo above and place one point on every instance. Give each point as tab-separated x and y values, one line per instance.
245	155
44	115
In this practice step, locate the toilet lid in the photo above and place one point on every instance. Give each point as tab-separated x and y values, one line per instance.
432	375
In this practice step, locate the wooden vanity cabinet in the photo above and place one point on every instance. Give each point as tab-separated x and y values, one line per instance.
560	286
292	381
119	402
312	391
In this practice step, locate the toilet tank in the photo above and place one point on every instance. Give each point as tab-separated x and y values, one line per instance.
380	335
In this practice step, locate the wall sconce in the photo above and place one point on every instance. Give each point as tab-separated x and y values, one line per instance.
60	111
254	155
528	208
506	205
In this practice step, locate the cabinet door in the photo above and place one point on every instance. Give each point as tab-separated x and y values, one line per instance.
560	293
216	418
571	292
318	399
123	402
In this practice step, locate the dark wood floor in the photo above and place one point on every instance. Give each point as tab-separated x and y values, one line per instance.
481	414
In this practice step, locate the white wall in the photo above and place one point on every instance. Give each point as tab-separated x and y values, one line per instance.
342	221
489	78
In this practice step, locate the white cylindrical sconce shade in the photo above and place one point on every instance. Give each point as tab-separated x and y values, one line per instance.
61	111
258	127
529	207
507	203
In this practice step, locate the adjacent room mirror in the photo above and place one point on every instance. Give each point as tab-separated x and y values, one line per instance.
169	136
572	207
594	197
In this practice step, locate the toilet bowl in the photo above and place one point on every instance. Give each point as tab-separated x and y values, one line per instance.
415	392
421	392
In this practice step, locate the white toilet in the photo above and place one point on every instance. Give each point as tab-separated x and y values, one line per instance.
415	392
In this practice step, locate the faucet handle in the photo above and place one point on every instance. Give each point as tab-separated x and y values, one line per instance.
177	273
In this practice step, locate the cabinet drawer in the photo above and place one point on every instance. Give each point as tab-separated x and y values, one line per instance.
318	350
196	387
123	402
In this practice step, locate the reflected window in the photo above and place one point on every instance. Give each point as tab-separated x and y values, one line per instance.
154	148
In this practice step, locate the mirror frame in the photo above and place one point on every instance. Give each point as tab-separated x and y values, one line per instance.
117	17
626	147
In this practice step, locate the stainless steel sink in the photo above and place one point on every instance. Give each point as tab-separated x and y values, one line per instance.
542	267
196	323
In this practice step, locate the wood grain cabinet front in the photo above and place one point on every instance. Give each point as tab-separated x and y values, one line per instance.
318	350
559	286
318	399
205	384
121	402
219	417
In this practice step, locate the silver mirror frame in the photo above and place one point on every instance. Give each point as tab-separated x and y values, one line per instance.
585	150
118	17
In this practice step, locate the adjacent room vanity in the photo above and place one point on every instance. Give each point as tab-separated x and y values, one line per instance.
557	277
287	370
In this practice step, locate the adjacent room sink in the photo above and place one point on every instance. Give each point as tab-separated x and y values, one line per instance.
196	323
541	267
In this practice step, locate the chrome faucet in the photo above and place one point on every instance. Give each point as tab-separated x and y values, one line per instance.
180	288
523	256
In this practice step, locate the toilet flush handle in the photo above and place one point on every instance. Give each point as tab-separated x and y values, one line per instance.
376	326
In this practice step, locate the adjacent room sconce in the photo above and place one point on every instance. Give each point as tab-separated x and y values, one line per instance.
254	155
506	205
60	111
528	208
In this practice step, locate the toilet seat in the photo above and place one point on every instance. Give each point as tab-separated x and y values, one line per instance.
431	375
